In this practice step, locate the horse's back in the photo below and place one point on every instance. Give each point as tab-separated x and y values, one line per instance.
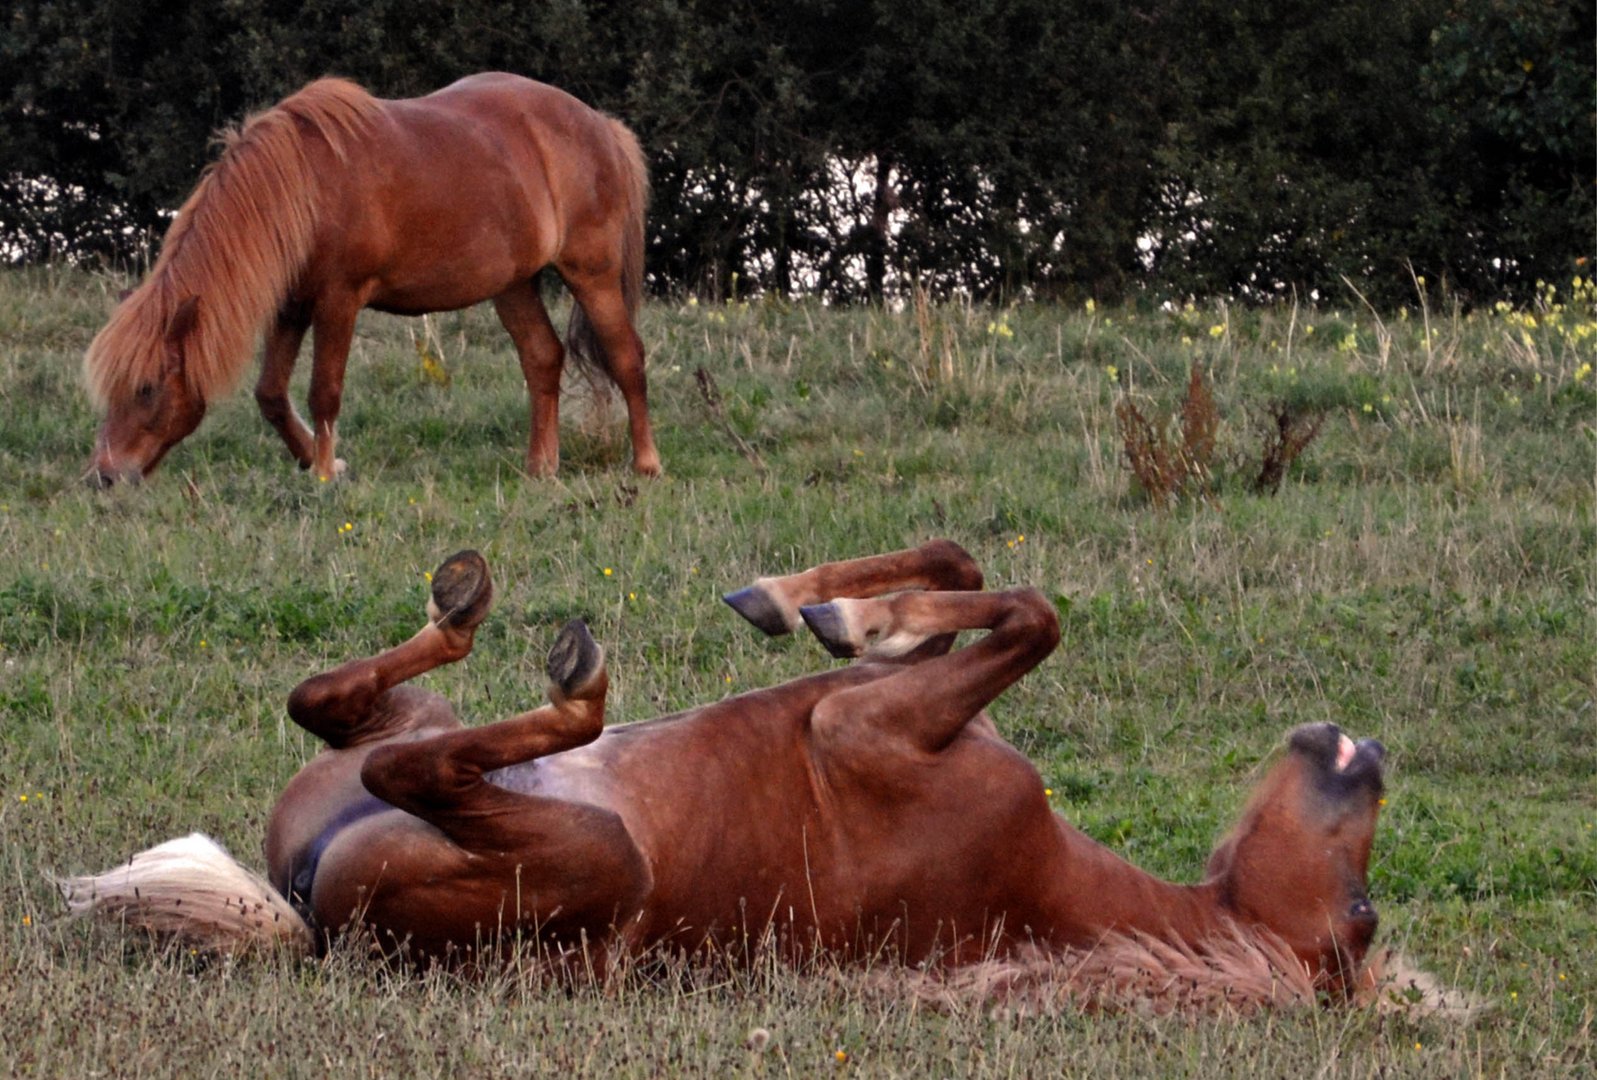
490	89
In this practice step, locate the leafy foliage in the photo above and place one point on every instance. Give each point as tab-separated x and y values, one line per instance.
988	147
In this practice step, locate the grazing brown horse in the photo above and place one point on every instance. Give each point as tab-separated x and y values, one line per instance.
334	201
869	810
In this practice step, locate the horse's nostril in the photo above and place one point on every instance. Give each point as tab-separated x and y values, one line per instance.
98	478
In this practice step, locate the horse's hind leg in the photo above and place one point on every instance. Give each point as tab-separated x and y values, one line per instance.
442	778
932	702
605	306
542	357
568	868
773	603
342	706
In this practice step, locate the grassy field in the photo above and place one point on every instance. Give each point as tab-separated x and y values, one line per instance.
1425	574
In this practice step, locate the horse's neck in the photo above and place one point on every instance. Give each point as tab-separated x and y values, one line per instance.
1093	890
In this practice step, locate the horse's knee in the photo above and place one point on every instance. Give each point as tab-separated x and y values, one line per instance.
273	404
326	400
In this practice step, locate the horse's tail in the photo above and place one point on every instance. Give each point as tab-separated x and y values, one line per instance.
191	890
582	344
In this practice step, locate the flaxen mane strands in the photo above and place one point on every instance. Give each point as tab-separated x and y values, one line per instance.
237	244
1236	973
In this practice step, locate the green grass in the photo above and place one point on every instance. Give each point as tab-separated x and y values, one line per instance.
1425	575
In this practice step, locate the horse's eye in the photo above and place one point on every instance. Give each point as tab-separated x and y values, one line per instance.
146	392
1362	909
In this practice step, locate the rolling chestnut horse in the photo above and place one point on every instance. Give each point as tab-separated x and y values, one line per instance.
334	201
869	810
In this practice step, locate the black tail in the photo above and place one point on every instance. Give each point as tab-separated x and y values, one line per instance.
582	344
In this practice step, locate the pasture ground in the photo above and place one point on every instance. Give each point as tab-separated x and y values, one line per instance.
1425	574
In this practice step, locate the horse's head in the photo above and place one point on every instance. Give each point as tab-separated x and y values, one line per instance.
1297	861
152	406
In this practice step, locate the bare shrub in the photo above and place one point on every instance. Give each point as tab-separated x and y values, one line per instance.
1288	434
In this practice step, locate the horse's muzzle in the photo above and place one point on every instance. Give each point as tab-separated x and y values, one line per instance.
101	477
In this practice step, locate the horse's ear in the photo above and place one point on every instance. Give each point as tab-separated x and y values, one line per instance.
178	329
1222	858
182	320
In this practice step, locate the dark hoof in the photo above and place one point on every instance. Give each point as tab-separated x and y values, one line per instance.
826	623
462	591
574	657
755	605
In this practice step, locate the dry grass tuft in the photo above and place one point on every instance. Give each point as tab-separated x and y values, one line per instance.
1167	465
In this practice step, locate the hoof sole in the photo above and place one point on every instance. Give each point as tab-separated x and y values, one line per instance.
574	657
826	623
755	605
462	591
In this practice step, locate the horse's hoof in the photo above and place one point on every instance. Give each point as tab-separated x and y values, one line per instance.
574	657
462	591
756	605
827	623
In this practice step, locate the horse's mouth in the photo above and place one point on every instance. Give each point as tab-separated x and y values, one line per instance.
1338	755
1356	756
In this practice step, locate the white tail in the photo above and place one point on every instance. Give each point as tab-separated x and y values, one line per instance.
192	890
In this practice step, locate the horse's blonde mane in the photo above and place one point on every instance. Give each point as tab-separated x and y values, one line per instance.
237	243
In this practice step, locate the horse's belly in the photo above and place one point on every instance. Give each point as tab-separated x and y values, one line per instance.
577	775
445	285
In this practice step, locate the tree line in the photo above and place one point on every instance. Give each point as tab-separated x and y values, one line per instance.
861	148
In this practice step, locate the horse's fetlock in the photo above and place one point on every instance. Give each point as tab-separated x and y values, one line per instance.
1035	617
964	573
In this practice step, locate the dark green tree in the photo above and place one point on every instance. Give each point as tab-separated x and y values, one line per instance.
989	147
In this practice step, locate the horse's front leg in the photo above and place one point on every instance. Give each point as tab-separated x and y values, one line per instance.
335	330
928	705
774	604
542	357
283	340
